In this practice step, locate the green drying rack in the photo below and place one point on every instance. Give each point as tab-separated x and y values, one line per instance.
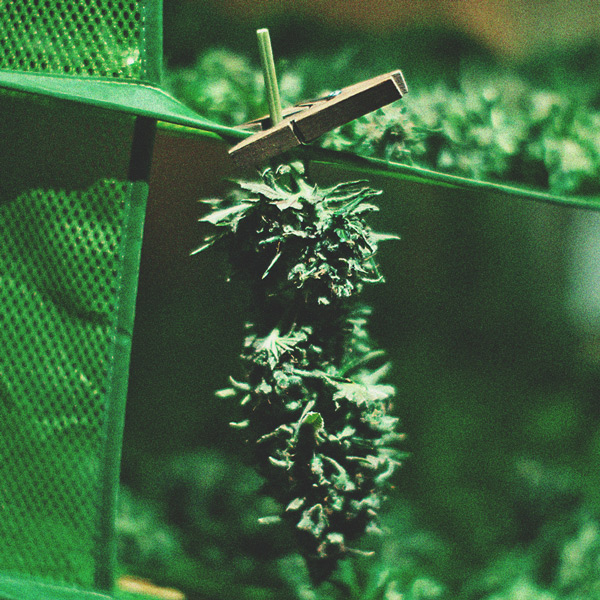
80	99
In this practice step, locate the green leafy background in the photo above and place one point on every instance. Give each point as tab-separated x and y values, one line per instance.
487	316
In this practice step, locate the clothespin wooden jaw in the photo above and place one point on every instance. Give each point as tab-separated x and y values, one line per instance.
307	121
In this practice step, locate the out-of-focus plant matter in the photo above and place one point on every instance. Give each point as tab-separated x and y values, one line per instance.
230	88
206	539
490	126
315	408
146	542
202	534
493	128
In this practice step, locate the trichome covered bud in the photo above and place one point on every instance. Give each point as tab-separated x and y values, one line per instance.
315	409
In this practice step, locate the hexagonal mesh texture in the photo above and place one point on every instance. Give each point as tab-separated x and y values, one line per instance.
60	274
97	38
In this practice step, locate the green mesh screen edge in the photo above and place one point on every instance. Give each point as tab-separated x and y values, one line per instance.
61	271
72	205
70	239
19	589
116	39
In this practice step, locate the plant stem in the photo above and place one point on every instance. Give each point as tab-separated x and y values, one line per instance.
268	66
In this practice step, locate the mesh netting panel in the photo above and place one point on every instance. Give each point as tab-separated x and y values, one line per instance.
60	271
98	38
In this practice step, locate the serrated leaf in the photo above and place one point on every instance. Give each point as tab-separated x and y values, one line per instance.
348	431
340	479
365	207
271	265
271	520
350	206
347	190
361	360
343	235
224	215
335	538
313	520
373	377
239	385
282	464
204	247
358	552
362	394
280	197
384	423
384	237
316	466
370	461
385	475
260	188
275	344
295	504
315	419
282	429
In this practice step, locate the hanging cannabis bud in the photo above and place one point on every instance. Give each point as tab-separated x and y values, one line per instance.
316	410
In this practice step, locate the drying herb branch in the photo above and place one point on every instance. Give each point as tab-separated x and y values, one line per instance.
315	408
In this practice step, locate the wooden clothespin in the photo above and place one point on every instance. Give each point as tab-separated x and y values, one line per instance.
307	121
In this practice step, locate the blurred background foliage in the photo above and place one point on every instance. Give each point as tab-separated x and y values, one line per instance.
490	313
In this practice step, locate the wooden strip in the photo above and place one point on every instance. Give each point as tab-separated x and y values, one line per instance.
265	144
137	585
310	120
348	105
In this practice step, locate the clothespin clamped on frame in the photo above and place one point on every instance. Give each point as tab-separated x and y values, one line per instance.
307	121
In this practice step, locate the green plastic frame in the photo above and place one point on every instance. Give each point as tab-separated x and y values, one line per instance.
145	102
